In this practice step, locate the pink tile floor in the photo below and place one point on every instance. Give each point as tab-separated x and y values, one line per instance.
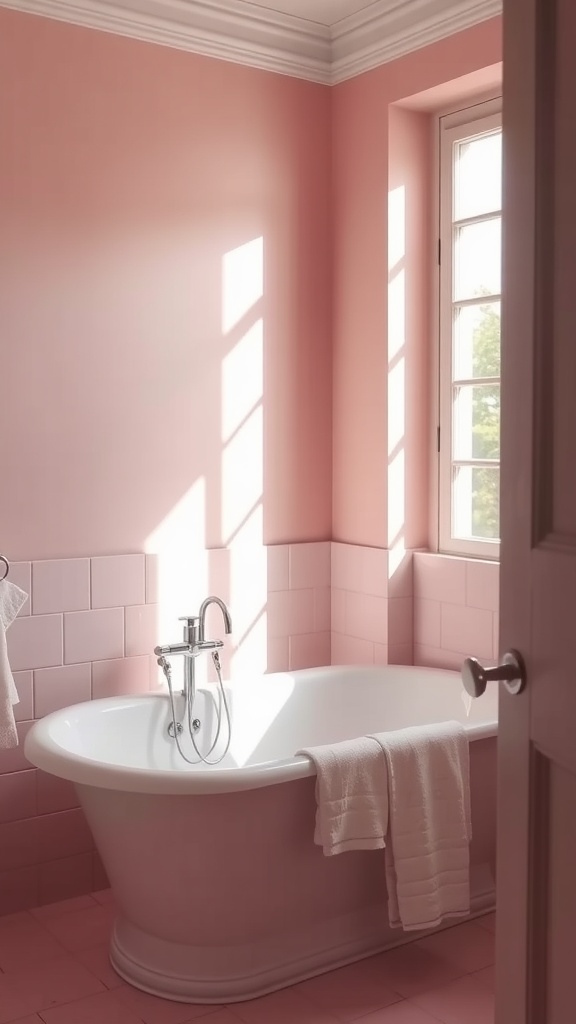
54	969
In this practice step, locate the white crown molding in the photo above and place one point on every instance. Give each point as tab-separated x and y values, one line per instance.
234	31
241	32
382	33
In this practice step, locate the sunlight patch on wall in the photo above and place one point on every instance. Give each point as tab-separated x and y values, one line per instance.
248	595
242	474
396	229
242	379
396	376
242	281
243	455
180	541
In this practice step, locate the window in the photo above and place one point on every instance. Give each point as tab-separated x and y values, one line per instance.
469	323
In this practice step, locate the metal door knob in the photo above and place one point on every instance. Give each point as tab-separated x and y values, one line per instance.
512	672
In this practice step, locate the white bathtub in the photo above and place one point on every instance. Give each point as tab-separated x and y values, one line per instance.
222	893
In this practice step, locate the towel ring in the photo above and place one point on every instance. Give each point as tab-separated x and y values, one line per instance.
4	562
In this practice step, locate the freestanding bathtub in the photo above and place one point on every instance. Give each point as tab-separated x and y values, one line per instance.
222	893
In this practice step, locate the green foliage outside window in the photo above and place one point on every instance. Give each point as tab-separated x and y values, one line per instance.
486	429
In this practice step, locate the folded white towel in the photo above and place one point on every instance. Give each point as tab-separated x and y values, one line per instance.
351	796
11	601
427	848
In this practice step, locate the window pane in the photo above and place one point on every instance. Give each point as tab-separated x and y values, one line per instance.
477	341
476	419
478	176
477	259
476	503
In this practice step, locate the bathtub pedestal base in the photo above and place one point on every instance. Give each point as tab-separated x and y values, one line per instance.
228	974
200	974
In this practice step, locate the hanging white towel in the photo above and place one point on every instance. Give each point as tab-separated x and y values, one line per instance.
427	846
351	795
11	601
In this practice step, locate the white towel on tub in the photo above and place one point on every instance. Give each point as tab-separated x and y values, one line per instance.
11	601
427	847
351	795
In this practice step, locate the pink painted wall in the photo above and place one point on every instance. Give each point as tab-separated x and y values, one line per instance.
361	125
129	171
411	254
140	359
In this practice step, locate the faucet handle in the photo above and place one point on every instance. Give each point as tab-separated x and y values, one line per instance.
190	627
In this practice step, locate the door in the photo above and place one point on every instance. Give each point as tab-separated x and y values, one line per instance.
536	931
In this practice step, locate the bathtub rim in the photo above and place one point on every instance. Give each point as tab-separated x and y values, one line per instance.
48	755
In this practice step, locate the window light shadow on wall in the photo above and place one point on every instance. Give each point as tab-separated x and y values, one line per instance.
396	378
243	452
231	487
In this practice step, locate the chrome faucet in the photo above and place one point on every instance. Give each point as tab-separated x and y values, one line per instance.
194	643
202	616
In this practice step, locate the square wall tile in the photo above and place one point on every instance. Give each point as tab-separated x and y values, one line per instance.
61	585
35	641
381	654
118	580
93	636
54	794
277	558
63	834
469	631
121	676
361	569
14	759
66	877
439	577
141	625
17	795
400	654
19	847
24	710
401	575
367	617
338	610
340	558
56	688
349	650
310	565
322	609
290	612
278	654
482	584
435	657
309	650
152	577
400	620
21	575
427	622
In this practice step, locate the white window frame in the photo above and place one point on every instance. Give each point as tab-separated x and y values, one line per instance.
454	128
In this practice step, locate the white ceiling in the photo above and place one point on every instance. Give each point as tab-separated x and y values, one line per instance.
323	12
323	41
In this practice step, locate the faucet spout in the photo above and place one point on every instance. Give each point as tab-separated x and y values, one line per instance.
202	616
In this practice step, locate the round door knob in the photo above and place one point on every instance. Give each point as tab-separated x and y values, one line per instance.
511	672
